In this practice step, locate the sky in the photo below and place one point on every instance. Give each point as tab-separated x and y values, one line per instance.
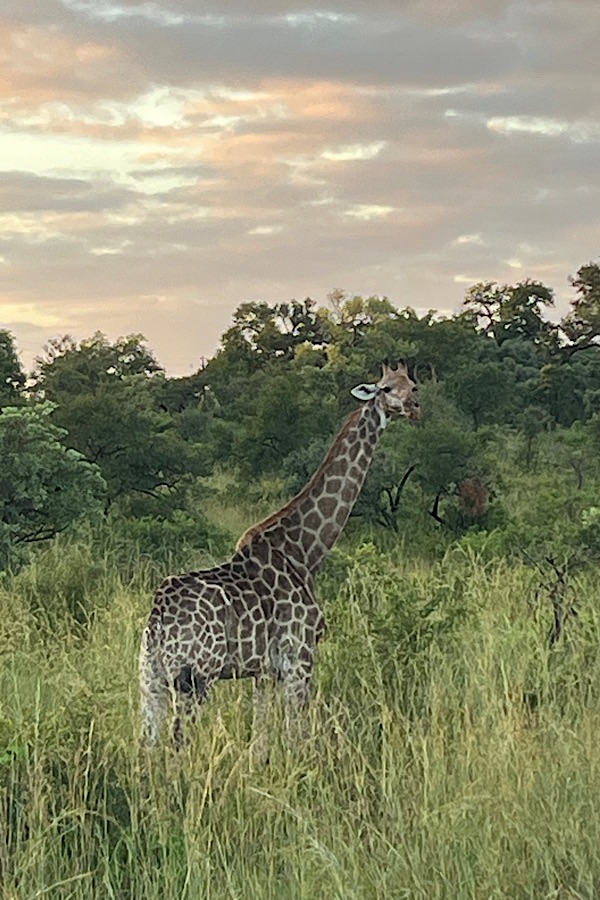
163	162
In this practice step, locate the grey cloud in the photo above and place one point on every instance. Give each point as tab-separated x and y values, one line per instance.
253	40
368	50
385	47
26	192
522	96
451	10
196	172
382	45
38	13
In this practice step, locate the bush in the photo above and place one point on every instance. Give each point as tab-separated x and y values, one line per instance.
44	488
590	529
392	617
174	538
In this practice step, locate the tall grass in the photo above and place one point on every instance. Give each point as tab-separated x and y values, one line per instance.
460	761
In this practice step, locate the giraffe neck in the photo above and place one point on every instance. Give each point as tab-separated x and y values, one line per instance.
306	528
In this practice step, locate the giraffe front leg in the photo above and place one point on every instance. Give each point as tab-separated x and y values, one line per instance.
296	687
261	704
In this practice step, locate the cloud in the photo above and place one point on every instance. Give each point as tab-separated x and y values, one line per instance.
26	192
182	46
368	211
352	152
164	161
578	131
469	240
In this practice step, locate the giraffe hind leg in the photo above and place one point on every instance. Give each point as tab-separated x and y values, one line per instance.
190	683
154	699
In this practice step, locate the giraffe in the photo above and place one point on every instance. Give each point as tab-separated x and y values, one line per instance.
256	616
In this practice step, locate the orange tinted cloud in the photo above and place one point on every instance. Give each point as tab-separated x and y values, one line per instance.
34	62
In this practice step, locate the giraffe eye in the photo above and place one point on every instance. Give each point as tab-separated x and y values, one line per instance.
386	389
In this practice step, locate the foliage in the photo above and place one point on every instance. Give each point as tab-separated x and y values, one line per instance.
44	487
389	479
567	388
285	412
485	391
299	465
582	325
407	613
264	410
511	311
590	530
109	402
12	377
171	540
268	332
69	367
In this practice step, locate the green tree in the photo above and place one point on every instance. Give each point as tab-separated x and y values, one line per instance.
69	367
349	318
12	377
366	331
263	332
505	312
284	411
486	391
109	401
442	345
582	325
382	496
532	421
446	453
563	387
44	487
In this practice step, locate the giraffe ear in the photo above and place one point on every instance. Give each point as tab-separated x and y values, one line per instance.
364	391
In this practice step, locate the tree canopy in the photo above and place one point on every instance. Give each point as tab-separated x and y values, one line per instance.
108	399
12	376
44	486
266	405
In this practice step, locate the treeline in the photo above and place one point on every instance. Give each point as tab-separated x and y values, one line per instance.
507	454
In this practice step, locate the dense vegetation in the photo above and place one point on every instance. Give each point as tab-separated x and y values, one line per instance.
457	697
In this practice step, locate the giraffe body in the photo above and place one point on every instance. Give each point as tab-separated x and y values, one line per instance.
251	617
256	615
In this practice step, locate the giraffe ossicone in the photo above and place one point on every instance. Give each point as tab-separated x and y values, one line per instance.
256	615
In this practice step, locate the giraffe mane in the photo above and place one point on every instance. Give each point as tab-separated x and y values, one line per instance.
247	537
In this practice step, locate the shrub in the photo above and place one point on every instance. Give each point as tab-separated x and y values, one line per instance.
391	617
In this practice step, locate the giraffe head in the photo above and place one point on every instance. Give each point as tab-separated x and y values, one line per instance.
394	394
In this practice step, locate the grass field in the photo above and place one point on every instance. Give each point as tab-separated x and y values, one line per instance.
451	754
